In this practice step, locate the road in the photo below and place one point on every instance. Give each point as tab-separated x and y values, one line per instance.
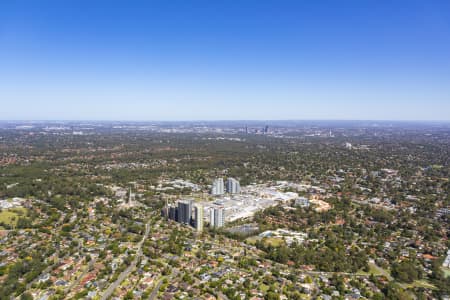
78	280
155	290
221	296
110	290
154	293
50	267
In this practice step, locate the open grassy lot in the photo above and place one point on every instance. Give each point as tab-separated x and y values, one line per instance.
10	216
274	241
264	288
252	240
422	284
446	272
377	271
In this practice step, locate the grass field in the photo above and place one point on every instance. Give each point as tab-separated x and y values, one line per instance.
252	240
10	216
446	272
372	270
421	283
274	241
377	271
264	288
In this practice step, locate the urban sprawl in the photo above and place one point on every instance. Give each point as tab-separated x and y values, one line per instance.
224	210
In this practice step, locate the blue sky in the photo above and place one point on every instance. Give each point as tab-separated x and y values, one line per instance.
192	60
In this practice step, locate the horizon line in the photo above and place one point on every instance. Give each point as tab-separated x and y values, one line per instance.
226	120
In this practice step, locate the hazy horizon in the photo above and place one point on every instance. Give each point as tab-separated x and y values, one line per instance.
221	120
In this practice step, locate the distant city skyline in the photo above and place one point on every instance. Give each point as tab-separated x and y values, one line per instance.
204	60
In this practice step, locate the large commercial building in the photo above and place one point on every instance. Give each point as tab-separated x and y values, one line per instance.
233	186
185	211
217	217
302	201
198	215
218	187
173	213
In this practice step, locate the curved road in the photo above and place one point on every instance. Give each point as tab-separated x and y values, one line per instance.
155	291
110	290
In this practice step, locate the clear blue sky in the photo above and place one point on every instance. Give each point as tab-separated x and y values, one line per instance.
191	60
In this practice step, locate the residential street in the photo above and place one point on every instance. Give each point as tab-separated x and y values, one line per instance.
110	290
